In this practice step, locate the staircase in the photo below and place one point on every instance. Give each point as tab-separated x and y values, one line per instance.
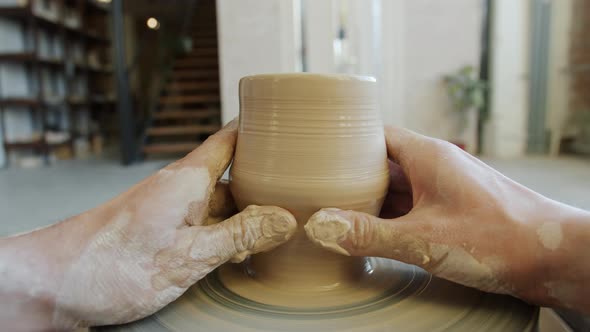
189	107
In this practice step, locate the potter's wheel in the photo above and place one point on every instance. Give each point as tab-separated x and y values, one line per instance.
406	298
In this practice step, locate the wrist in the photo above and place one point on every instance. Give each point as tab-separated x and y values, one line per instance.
559	274
33	267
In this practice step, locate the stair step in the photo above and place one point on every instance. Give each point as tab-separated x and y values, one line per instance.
196	63
170	147
199	40
194	73
204	33
183	86
181	115
182	130
204	98
200	51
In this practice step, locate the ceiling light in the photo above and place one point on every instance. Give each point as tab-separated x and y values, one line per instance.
153	23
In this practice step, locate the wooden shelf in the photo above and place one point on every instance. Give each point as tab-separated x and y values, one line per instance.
95	37
99	8
18	56
90	101
77	101
100	100
34	144
77	23
21	102
106	71
88	35
24	12
30	57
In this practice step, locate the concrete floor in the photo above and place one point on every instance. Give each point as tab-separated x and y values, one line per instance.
564	179
31	198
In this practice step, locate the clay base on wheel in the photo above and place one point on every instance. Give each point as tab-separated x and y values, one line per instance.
387	296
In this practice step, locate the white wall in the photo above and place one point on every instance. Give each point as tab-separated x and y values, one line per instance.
255	37
506	130
319	26
558	85
440	38
418	42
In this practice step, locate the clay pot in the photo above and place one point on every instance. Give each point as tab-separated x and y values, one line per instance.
307	142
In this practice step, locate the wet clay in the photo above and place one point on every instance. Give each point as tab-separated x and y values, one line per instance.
306	142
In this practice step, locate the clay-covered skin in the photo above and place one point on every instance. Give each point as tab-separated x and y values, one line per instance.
130	257
463	221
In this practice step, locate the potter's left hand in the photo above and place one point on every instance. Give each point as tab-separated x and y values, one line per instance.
133	255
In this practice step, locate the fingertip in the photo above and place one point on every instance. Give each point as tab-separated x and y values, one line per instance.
328	229
217	150
232	125
258	229
277	223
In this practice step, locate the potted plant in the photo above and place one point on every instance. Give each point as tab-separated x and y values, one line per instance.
581	142
467	94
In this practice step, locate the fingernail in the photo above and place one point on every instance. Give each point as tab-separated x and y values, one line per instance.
328	228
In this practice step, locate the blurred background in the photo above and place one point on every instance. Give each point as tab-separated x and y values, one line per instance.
136	80
95	95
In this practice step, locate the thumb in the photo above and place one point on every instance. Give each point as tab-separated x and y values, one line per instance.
255	229
361	234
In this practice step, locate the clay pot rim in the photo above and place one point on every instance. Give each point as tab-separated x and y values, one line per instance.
307	76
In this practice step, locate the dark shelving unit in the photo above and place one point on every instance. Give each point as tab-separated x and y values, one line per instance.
89	70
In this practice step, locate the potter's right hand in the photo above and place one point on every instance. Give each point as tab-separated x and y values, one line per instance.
463	221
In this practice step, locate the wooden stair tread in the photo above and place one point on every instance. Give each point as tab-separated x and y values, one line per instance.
196	62
184	99
204	34
182	130
201	74
204	40
202	51
170	115
182	147
204	85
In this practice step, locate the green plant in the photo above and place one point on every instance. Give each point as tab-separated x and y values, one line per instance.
466	91
581	121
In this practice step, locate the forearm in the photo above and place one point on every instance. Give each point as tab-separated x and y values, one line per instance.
32	269
562	274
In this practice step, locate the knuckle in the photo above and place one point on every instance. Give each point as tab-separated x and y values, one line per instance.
242	233
362	231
